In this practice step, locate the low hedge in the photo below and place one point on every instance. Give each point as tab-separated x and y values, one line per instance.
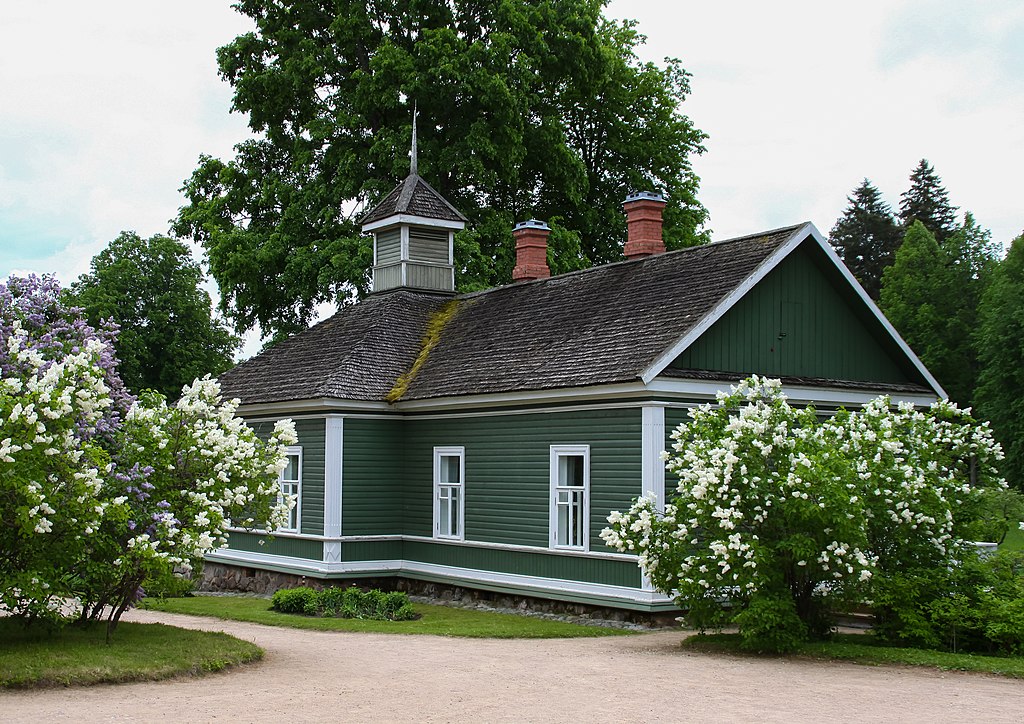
344	603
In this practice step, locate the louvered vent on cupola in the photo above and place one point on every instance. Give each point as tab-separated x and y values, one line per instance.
413	231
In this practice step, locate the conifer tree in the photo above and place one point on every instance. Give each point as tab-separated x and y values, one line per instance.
1000	338
927	201
866	236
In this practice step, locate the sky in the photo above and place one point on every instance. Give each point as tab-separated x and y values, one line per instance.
106	107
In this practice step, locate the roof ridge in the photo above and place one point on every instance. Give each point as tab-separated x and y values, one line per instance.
673	252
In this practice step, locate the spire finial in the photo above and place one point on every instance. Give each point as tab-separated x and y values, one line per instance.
414	164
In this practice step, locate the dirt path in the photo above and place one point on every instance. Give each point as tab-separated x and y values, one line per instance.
326	676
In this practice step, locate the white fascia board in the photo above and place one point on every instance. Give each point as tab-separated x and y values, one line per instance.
396	219
708	389
904	347
325	405
806	231
727	303
595	392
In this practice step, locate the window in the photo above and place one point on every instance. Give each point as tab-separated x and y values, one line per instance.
570	496
449	492
291	485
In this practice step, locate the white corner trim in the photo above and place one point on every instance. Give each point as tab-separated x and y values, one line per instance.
652	444
723	306
334	439
904	347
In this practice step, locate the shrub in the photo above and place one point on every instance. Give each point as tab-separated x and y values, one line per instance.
781	516
975	605
344	603
295	600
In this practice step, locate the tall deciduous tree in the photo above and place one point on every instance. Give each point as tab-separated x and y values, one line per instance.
151	289
1001	349
866	236
931	294
528	109
927	201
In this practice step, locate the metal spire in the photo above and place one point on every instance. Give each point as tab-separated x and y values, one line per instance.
414	164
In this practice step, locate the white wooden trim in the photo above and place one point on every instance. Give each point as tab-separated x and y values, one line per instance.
527	584
652	434
324	405
460	453
726	304
805	232
334	444
289	451
904	347
445	541
557	451
403	249
415	220
708	389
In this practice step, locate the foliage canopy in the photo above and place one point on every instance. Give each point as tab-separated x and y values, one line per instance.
151	289
529	109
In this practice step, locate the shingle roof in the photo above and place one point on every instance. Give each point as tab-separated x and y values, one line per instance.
601	325
357	354
416	197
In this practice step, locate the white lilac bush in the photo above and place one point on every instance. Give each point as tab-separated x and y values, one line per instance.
781	514
100	491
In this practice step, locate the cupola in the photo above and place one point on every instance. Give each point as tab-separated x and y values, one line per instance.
413	231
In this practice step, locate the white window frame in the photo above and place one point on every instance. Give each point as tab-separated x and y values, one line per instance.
281	482
440	488
558	451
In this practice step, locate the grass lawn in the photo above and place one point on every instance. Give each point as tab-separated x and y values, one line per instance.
137	652
1014	540
434	620
862	649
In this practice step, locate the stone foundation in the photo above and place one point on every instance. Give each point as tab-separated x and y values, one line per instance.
218	577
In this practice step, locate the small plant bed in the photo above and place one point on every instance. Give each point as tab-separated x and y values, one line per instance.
34	657
433	620
345	603
864	649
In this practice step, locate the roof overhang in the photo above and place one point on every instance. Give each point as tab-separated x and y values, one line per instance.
413	220
805	233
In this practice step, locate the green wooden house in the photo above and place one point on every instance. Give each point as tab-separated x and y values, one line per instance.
480	440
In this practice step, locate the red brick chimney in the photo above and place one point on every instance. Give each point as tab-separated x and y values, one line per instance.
531	251
643	224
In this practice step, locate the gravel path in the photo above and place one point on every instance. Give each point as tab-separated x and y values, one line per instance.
332	676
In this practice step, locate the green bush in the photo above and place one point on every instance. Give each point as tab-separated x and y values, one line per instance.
344	603
975	606
770	624
295	600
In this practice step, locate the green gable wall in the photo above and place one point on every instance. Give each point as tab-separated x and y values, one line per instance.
802	320
311	439
507	462
372	477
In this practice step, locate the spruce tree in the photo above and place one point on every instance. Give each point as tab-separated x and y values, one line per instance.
927	201
1000	340
866	236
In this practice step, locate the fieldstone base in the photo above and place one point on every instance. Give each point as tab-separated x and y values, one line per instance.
221	578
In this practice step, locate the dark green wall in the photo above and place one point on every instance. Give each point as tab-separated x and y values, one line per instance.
800	321
311	438
507	470
372	477
295	547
